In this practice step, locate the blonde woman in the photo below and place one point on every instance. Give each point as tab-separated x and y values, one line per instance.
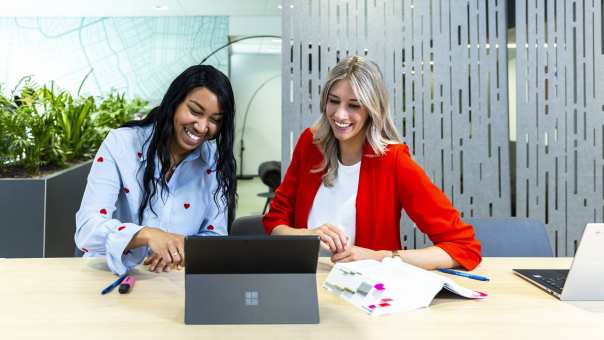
351	176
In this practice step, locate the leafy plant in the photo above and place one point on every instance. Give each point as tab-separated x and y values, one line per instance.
5	108
73	122
47	127
28	132
115	110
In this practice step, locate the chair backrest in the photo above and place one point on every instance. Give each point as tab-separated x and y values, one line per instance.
270	174
248	225
511	237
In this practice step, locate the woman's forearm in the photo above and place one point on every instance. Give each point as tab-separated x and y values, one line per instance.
428	258
287	230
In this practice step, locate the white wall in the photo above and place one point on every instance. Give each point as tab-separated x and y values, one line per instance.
262	138
254	25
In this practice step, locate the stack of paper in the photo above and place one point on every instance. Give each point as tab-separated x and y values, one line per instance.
389	286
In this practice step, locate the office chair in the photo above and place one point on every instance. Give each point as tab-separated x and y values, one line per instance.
511	237
270	175
247	225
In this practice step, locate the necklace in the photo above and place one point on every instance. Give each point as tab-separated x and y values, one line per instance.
171	172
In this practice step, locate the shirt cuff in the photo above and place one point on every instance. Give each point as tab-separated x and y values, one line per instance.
210	233
118	239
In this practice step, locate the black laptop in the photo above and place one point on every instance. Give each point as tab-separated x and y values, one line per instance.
251	280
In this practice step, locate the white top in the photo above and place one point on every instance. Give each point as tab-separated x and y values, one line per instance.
337	204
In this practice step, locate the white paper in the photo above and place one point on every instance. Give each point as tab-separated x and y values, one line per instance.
381	288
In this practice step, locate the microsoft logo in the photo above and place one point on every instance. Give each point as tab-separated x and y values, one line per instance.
251	298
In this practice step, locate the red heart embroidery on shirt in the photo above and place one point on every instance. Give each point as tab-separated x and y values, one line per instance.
210	227
209	171
120	228
85	250
103	211
187	205
139	154
100	159
126	190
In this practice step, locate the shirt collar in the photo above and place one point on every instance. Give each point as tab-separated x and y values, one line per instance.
203	151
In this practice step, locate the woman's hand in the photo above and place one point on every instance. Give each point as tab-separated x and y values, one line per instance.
167	249
156	264
355	253
332	238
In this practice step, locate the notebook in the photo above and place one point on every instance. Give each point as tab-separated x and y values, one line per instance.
585	279
389	286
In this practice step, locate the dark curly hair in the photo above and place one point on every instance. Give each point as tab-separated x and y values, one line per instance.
162	120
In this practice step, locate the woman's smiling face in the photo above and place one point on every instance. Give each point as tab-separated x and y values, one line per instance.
197	119
346	115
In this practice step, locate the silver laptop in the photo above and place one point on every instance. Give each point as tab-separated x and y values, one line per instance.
585	279
251	280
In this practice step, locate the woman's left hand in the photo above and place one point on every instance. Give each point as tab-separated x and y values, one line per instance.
156	264
355	253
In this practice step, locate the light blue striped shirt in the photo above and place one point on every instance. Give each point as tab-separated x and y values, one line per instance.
108	216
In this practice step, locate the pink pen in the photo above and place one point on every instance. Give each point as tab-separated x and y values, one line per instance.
127	284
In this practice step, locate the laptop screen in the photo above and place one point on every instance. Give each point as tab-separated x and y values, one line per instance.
251	254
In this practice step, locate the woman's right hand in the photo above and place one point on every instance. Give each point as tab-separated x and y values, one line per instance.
332	238
168	248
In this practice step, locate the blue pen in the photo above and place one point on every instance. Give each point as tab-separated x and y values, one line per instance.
464	274
114	284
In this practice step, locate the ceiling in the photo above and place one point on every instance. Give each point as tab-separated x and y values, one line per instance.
79	8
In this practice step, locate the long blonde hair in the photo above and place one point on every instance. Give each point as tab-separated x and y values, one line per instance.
368	85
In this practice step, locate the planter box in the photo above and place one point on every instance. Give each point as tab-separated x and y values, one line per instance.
38	214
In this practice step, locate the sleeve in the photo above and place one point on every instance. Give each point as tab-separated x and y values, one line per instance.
433	213
282	209
96	231
216	218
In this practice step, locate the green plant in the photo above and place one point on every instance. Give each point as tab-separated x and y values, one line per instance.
115	110
29	132
47	127
5	103
73	121
5	109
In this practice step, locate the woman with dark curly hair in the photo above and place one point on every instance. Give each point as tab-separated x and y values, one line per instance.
156	180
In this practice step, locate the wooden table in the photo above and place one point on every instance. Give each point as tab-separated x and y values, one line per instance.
60	299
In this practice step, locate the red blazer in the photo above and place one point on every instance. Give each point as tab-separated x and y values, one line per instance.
387	184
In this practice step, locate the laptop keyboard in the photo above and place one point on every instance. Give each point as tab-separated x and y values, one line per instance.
556	278
551	278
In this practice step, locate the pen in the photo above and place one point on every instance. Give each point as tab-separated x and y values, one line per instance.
114	284
464	274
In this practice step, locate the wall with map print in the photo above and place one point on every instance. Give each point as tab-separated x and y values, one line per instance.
136	55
